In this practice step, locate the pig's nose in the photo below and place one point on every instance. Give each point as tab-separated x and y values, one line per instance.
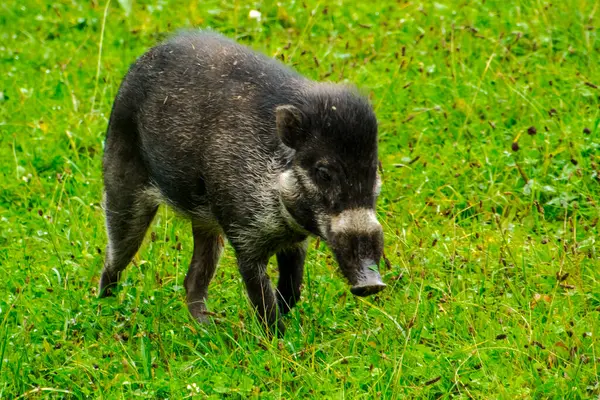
369	284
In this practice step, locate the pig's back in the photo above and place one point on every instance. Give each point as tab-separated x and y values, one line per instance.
203	79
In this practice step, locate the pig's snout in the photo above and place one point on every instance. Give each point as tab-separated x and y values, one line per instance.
369	282
356	238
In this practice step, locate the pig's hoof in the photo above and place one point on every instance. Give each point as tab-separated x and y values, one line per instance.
200	313
367	289
105	292
203	318
107	286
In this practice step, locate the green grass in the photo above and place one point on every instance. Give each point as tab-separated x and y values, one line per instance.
491	232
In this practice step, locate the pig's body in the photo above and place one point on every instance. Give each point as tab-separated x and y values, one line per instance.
196	125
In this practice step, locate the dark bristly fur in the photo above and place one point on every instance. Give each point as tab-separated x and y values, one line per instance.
245	147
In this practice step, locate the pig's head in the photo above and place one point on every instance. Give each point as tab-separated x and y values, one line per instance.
331	186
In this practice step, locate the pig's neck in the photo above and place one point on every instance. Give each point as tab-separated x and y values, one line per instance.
291	222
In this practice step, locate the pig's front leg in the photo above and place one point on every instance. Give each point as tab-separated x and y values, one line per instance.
260	292
291	269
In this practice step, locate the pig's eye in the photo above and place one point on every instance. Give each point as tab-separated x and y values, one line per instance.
323	175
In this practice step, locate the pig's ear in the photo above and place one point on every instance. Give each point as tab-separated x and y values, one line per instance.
290	121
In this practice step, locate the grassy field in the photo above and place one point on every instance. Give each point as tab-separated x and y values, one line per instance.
490	146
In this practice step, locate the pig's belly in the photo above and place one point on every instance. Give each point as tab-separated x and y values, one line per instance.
194	206
179	184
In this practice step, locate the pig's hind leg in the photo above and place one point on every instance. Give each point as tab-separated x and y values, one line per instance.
130	200
291	269
207	250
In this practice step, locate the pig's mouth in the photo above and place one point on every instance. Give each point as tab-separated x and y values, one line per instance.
368	283
363	277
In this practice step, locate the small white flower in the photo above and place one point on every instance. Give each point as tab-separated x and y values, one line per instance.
254	14
193	387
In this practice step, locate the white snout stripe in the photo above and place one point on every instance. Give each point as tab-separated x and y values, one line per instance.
362	220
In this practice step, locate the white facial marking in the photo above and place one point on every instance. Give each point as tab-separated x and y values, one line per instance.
288	189
361	220
288	184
